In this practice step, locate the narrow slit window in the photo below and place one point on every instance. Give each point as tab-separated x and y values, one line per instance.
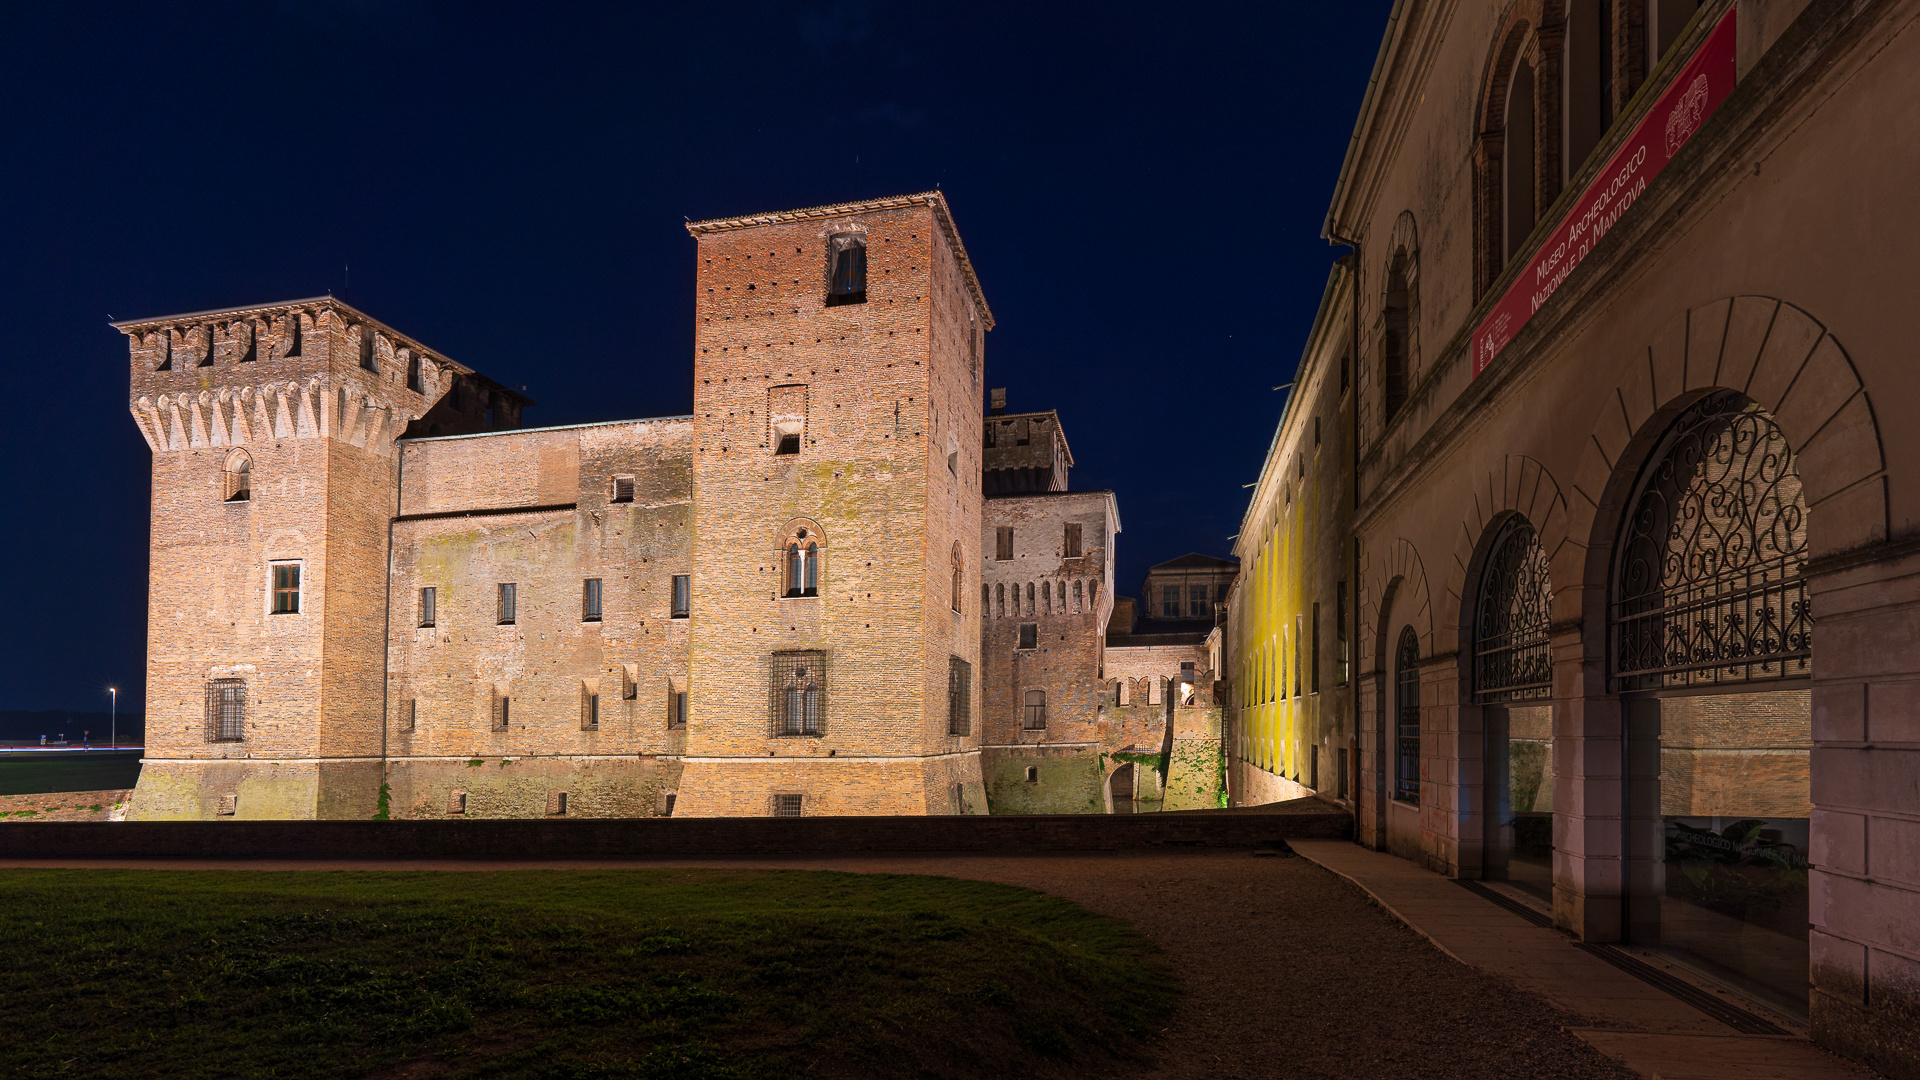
429	606
366	348
416	374
1313	654
412	716
682	596
286	588
629	682
590	600
506	603
502	711
589	711
1340	633
676	707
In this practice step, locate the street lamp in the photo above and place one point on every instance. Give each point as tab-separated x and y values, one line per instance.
114	714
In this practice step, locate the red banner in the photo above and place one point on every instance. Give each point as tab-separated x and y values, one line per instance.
1695	93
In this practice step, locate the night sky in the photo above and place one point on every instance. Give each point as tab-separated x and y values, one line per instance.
1140	187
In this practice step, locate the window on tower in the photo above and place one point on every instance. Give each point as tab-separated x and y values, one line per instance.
847	253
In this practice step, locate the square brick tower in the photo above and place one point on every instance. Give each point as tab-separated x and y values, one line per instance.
272	430
835	632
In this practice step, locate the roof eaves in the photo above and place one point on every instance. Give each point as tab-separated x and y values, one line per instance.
1360	122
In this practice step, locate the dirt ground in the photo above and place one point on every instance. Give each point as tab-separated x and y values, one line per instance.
1290	970
66	806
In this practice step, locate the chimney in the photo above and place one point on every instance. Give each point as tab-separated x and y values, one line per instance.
998	402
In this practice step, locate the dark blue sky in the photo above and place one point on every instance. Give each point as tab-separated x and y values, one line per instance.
1140	186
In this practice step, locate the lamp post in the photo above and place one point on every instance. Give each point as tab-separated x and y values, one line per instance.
114	714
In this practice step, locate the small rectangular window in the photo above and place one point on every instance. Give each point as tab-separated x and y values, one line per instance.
682	595
1003	543
590	600
1029	635
622	489
676	707
786	805
502	711
429	605
456	802
415	379
589	711
629	682
366	348
506	602
1072	540
286	588
226	710
1316	431
556	802
959	697
789	443
1033	775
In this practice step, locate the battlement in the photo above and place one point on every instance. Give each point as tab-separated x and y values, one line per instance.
312	368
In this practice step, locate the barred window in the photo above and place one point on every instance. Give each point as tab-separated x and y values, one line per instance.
507	600
226	710
429	606
1036	711
682	595
786	805
590	600
622	489
799	687
286	588
959	697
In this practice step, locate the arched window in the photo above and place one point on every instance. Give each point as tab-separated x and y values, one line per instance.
1000	600
1709	581
239	477
1518	182
1406	713
802	559
959	576
1029	597
1394	343
1511	658
1079	595
1036	710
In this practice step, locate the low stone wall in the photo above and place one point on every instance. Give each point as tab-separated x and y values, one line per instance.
652	838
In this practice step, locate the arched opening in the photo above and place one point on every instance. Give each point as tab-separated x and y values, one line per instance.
1394	350
1518	160
1710	647
1512	680
1120	787
239	477
1406	718
802	559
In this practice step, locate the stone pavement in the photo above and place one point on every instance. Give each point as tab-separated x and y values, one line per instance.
1654	1033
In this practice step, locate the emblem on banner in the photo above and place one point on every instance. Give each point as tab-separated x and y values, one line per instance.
1687	115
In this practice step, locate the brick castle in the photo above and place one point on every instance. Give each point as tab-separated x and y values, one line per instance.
835	588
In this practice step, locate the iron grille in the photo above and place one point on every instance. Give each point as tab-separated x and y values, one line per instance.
799	694
226	710
1406	708
959	697
786	805
1511	657
1709	583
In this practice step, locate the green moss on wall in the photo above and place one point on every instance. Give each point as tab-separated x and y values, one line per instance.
1068	782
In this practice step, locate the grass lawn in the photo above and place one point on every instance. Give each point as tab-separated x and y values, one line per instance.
665	974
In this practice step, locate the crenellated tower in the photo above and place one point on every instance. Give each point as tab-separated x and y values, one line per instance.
274	481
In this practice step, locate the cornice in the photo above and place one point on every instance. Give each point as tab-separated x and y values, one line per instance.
934	199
